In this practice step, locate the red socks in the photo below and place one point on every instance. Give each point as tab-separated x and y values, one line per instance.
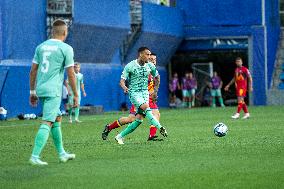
240	106
153	131
114	125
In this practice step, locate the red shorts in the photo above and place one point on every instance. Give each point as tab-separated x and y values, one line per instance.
241	92
132	109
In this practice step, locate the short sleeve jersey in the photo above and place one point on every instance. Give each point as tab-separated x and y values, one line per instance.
137	75
52	56
216	82
241	76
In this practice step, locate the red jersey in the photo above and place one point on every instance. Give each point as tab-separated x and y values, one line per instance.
150	84
241	77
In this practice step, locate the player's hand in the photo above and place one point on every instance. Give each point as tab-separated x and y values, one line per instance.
226	88
250	89
84	93
33	100
75	101
125	90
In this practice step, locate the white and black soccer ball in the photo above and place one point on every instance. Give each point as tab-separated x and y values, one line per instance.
220	129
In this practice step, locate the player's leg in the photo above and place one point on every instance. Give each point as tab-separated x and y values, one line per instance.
43	133
153	129
219	96
130	128
192	93
117	123
184	97
213	95
156	113
245	108
57	133
149	115
240	103
77	110
70	106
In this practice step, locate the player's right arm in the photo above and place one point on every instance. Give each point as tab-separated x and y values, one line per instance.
229	84
124	76
123	86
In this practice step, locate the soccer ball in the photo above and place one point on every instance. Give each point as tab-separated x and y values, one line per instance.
220	129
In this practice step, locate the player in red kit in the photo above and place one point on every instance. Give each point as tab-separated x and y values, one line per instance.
242	75
132	112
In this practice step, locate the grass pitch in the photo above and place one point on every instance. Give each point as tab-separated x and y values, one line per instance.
250	156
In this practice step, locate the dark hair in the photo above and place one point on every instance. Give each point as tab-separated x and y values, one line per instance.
141	49
153	54
59	22
238	58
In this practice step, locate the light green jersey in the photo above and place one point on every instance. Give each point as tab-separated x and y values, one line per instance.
52	56
137	75
79	81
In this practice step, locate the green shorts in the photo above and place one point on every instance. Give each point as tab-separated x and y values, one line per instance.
188	93
139	98
216	92
50	108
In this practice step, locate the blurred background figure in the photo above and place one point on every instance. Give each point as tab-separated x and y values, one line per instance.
216	86
174	87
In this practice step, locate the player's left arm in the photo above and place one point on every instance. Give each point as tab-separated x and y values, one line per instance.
250	82
157	81
33	74
83	87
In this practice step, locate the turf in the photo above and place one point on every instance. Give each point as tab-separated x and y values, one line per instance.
250	156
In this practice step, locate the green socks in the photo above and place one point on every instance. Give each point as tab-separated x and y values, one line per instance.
152	119
40	139
57	137
213	101
221	101
131	127
77	113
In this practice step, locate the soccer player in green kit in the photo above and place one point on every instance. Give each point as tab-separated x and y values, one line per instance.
137	72
79	86
46	79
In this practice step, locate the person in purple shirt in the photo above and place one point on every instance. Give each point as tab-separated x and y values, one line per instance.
189	86
192	86
174	87
216	85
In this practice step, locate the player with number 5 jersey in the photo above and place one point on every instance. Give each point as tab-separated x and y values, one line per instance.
46	80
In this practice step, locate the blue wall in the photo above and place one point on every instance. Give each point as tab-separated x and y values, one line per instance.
101	85
221	13
22	27
273	34
98	29
162	32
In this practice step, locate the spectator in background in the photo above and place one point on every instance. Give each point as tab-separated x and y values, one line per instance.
192	83
185	90
216	85
174	87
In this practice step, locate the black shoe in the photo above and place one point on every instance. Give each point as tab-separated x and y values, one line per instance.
105	132
163	132
155	138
